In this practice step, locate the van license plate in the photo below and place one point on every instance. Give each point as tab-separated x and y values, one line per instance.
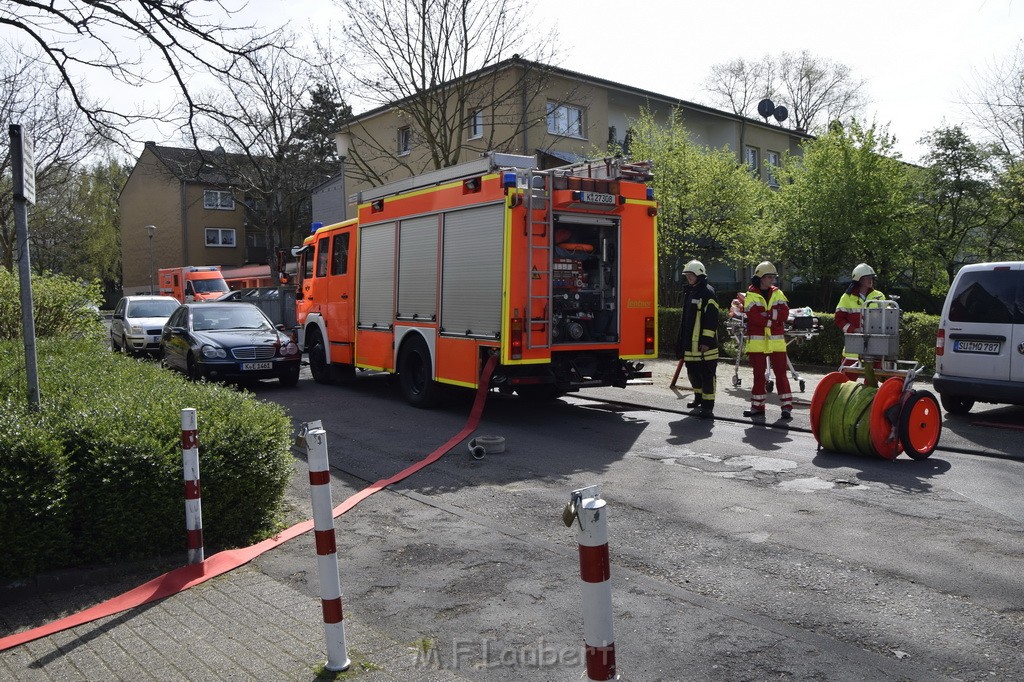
251	366
991	347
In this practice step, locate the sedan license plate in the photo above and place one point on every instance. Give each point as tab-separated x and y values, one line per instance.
254	366
989	347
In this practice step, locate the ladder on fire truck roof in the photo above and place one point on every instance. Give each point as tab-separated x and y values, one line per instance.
608	168
488	163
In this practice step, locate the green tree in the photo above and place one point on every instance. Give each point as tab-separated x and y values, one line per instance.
708	202
845	201
966	211
76	232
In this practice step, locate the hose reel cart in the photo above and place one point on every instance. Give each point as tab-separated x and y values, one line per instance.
868	418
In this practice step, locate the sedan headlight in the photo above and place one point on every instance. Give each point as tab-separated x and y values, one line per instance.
213	352
289	349
135	329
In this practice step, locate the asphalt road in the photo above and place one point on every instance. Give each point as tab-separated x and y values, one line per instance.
739	551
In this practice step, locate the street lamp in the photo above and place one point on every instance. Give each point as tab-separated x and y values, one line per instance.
343	143
150	229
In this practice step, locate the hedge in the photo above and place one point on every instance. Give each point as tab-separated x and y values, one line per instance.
96	475
917	339
61	307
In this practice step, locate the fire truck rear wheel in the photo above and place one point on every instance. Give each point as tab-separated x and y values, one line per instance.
318	366
415	374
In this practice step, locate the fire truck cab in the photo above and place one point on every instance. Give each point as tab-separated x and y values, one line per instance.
554	271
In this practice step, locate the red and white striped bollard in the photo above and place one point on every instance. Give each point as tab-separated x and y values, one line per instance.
591	514
193	499
326	547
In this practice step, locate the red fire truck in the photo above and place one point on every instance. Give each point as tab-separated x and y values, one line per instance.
552	270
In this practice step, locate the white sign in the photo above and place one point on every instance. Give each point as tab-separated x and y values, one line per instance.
28	167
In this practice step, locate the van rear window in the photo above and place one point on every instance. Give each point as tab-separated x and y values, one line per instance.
992	296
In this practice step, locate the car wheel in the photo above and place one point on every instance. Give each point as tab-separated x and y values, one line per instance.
415	374
956	404
193	371
113	345
126	348
291	377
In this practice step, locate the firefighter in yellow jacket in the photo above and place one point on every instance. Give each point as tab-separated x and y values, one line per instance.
767	309
698	338
848	310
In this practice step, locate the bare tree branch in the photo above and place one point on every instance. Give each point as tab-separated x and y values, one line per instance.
124	38
816	91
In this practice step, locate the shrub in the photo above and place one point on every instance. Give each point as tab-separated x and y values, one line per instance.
111	425
61	306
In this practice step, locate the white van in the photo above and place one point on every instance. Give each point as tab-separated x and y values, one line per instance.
979	350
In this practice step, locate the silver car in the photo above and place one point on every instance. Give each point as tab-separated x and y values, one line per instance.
138	322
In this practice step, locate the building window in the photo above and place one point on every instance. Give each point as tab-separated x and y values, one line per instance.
404	140
774	161
753	161
220	236
565	120
476	124
218	200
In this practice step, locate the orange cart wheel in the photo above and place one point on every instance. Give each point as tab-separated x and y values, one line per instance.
818	399
888	396
920	424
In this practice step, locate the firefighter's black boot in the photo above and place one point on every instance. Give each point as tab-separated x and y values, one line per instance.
706	410
697	401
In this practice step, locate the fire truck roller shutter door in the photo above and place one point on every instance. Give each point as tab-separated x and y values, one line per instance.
417	268
472	271
377	276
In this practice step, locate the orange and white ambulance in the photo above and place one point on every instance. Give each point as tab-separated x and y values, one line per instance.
554	271
192	282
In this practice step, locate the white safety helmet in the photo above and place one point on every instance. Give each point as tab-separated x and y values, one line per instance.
862	270
765	268
696	267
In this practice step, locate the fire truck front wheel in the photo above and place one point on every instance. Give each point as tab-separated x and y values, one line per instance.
415	374
318	366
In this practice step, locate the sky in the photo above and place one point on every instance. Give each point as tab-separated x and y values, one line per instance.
919	57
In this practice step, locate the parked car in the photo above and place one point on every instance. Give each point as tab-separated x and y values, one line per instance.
230	342
979	350
138	321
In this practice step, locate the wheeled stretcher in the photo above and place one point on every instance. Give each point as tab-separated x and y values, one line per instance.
797	328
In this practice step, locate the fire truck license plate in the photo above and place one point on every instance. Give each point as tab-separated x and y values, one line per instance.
598	198
991	347
251	366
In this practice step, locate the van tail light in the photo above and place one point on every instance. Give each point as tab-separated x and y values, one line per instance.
648	335
516	351
940	341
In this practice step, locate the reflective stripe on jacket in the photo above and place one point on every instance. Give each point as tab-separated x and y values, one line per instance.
766	331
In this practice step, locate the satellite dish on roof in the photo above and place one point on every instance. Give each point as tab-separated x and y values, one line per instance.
781	113
766	108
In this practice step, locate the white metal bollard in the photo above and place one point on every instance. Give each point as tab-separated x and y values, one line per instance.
326	549
591	515
193	499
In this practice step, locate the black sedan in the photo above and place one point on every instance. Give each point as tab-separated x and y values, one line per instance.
228	341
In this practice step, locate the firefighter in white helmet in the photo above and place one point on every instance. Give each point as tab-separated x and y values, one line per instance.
767	310
697	345
848	310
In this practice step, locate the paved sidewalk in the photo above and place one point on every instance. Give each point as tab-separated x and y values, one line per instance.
247	625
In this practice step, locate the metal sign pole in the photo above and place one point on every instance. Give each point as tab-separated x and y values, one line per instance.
24	171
